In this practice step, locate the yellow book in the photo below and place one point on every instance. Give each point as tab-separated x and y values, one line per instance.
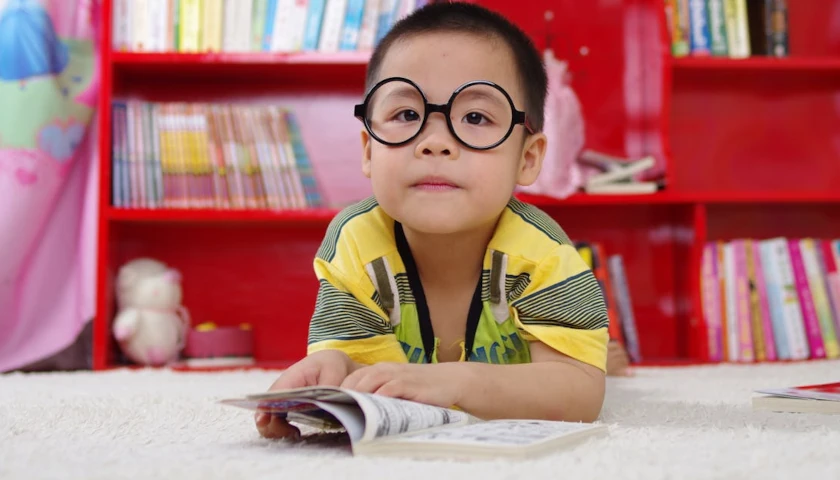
189	18
755	307
211	26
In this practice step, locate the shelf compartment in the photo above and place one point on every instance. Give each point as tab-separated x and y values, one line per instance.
655	242
256	273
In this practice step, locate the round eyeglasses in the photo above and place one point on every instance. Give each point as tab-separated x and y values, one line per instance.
480	114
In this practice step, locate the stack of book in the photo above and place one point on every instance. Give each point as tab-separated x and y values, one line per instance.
728	28
773	299
611	276
199	155
236	26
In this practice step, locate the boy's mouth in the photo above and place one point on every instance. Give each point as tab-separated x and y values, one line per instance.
435	184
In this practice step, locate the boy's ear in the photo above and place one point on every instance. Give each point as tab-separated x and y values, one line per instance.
533	153
366	144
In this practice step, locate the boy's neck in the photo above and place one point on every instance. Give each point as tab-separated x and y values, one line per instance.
449	260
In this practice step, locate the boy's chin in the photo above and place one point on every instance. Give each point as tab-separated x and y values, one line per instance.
439	223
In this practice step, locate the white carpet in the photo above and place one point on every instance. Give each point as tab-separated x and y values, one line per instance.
682	423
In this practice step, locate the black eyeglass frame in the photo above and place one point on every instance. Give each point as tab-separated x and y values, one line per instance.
517	116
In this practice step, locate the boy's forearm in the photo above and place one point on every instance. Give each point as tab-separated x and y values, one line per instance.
544	390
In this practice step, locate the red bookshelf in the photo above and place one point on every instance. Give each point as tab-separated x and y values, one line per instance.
804	65
749	148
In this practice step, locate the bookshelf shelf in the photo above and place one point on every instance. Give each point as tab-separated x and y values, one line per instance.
164	59
303	68
759	64
316	216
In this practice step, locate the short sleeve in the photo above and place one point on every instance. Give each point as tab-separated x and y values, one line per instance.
563	307
349	319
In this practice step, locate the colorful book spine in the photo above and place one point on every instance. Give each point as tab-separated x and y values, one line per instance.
717	28
775	298
763	303
709	283
746	343
806	301
832	278
351	30
676	16
731	299
314	18
699	28
776	28
819	293
618	275
737	28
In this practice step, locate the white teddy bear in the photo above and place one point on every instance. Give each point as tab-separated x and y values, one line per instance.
151	324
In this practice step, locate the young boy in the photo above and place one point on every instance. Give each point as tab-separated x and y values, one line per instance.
443	288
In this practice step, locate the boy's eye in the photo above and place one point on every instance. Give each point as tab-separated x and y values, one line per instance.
475	118
407	116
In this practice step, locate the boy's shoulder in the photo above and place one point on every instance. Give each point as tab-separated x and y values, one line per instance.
362	229
526	231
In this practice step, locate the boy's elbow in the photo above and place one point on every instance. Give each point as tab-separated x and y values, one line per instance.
583	405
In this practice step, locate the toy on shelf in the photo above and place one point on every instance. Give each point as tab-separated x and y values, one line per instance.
151	324
212	345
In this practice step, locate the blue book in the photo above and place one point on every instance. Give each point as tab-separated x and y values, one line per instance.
387	14
775	298
314	17
698	17
268	28
304	167
352	25
118	128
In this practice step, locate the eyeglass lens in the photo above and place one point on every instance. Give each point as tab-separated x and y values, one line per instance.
480	114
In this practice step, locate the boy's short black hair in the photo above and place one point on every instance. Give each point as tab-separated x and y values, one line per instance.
468	18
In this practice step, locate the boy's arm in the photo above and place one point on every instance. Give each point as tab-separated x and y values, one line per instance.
553	387
563	315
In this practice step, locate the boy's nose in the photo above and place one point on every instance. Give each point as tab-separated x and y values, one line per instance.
436	139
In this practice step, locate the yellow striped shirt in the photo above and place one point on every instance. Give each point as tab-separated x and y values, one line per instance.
535	287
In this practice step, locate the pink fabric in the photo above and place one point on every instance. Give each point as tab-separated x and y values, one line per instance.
561	175
48	194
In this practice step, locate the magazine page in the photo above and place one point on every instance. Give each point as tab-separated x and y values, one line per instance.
385	416
499	433
350	416
826	391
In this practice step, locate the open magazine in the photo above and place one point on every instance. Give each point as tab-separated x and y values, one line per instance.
379	425
820	398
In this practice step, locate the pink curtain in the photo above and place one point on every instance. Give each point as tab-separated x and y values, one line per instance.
48	177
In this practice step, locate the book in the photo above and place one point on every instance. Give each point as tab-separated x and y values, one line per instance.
818	398
383	426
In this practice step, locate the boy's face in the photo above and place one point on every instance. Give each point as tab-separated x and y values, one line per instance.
434	183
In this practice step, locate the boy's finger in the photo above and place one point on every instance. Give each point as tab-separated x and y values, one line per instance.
279	428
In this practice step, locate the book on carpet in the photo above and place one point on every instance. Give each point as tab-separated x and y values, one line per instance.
820	398
379	425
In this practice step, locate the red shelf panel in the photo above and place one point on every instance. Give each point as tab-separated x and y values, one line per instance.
766	197
660	198
793	64
119	59
343	69
324	215
302	216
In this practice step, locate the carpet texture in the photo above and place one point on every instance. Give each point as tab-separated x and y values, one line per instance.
683	423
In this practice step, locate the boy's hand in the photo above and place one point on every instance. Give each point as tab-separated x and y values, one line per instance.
327	367
438	384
